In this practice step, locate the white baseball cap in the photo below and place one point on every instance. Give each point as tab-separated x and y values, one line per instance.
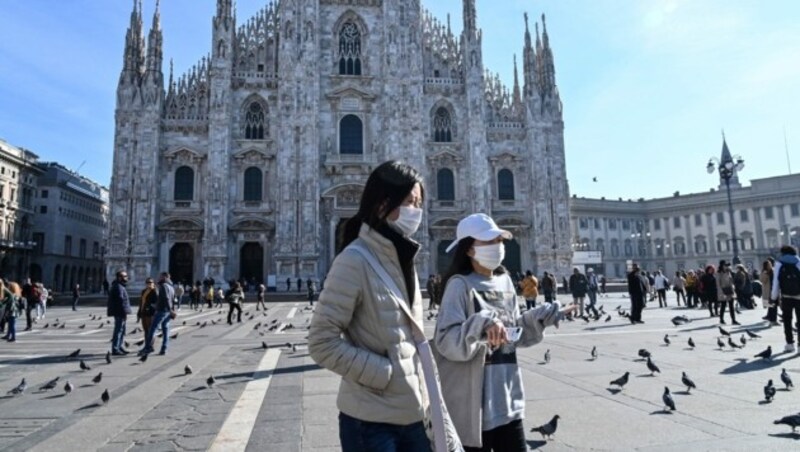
479	226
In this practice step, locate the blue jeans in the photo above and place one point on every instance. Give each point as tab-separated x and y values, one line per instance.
362	436
119	333
160	320
12	329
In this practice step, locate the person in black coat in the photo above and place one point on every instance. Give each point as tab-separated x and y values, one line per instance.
637	289
119	306
708	290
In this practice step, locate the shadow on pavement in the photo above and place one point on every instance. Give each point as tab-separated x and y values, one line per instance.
785	435
764	402
89	407
743	365
296	369
614	391
660	412
536	444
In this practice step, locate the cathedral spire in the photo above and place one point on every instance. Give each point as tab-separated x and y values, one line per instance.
517	97
546	66
528	60
155	42
470	18
134	59
224	9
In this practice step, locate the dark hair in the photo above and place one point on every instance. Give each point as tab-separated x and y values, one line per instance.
387	187
462	263
788	249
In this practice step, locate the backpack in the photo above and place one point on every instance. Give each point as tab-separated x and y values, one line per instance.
789	280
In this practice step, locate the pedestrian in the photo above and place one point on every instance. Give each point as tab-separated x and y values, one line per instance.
430	286
603	282
235	299
548	287
179	291
105	287
119	307
219	297
260	296
31	298
691	285
725	291
76	296
288	284
147	306
786	288
299	284
593	288
578	286
743	287
679	286
194	297
210	296
565	283
637	291
164	313
661	284
477	333
766	292
709	291
530	289
312	291
41	307
13	304
362	326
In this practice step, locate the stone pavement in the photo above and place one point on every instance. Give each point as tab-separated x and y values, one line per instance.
278	400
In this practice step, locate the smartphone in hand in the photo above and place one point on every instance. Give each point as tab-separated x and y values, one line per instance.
513	333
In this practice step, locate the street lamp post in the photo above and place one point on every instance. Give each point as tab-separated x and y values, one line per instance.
728	166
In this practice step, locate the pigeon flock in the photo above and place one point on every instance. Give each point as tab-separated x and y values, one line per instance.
84	365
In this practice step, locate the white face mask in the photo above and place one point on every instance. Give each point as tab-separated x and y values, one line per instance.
490	256
408	222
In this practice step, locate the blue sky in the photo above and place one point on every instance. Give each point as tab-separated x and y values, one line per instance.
647	86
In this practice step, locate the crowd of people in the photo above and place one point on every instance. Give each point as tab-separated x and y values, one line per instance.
30	299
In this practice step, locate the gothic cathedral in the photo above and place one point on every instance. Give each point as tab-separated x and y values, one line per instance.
247	165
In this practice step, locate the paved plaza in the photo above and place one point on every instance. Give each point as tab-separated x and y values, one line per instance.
277	399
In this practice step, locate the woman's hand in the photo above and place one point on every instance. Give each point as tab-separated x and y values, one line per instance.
569	310
496	334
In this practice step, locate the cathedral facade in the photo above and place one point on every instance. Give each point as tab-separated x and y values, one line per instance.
247	165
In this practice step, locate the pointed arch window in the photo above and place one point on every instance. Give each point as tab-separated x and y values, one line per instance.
349	49
445	185
442	126
255	122
505	185
184	184
351	135
253	184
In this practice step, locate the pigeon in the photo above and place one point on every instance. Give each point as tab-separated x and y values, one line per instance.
769	391
97	378
19	389
733	344
608	319
50	385
100	326
63	325
585	318
680	320
666	339
210	381
621	381
618	308
547	356
751	334
143	358
651	366
786	379
187	370
792	421
105	397
643	353
766	354
82	326
46	325
139	343
720	344
174	336
691	343
549	429
667	398
687	382
594	352
723	331
743	340
68	387
74	354
108	357
84	366
264	345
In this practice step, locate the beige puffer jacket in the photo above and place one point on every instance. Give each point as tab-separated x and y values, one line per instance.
359	332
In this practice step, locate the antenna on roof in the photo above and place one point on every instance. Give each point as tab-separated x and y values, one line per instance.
80	166
786	146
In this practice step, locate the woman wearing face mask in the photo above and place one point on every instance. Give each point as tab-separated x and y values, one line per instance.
477	332
361	332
